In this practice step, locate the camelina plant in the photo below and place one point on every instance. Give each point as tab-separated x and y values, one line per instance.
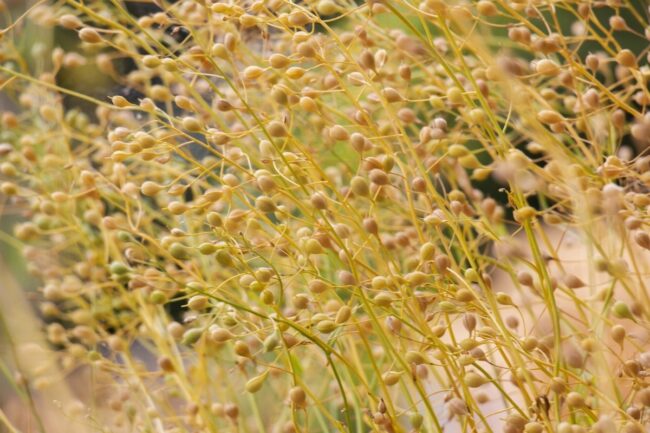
323	216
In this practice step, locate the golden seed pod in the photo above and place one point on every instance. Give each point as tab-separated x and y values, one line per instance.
415	357
318	286
524	214
474	380
547	67
626	58
297	396
279	61
70	22
220	335
242	349
549	117
277	129
343	315
198	303
90	35
191	124
378	177
326	326
575	400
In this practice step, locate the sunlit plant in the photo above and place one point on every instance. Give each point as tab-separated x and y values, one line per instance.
335	216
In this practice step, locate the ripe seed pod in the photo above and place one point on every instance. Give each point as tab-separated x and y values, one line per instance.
474	380
487	8
337	132
70	22
618	334
198	303
90	35
626	58
378	177
220	335
317	286
524	214
547	67
642	239
279	61
277	129
343	315
326	326
415	357
242	349
297	396
549	117
575	400
191	124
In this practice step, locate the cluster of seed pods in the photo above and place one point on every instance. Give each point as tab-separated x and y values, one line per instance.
334	216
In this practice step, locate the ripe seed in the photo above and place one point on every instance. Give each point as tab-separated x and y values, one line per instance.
297	396
90	35
547	67
378	177
524	214
474	380
277	129
626	58
549	117
198	303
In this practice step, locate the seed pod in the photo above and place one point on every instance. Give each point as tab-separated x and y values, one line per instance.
524	214
179	251
390	378
416	420
474	380
504	298
191	124
626	58
618	334
265	204
549	117
317	286
198	303
277	129
90	35
359	186
643	397
575	400
70	22
242	349
370	225
378	177
278	61
255	384
621	310
220	335
343	315
547	67
326	326
534	427
487	8
414	357
337	132
297	396
191	336
312	246
642	239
